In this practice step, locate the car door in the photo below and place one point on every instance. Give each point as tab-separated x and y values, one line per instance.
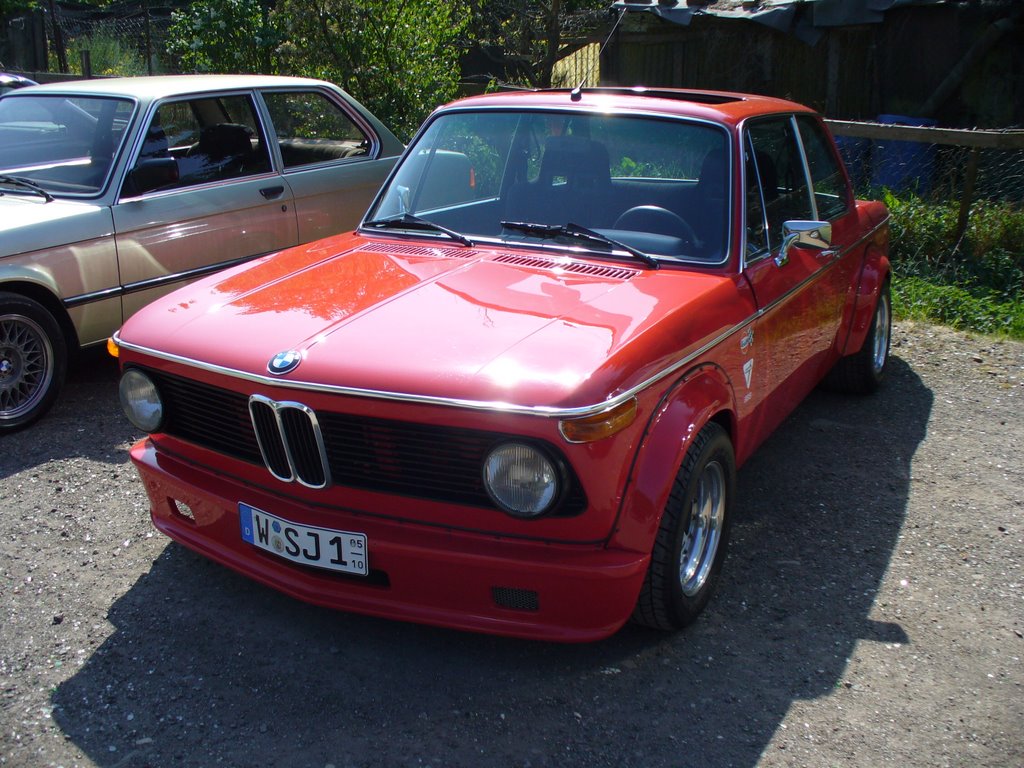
201	195
333	158
799	292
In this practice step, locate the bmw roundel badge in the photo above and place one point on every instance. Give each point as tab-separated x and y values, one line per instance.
283	362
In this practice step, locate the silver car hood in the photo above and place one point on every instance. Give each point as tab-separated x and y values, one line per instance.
29	223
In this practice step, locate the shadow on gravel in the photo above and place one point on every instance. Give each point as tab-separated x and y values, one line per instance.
86	421
205	668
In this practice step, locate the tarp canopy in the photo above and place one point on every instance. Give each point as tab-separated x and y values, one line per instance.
805	19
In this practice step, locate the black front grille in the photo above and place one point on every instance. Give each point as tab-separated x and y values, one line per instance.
208	416
289	436
437	463
408	459
264	419
300	432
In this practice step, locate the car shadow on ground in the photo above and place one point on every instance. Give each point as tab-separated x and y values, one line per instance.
207	668
87	405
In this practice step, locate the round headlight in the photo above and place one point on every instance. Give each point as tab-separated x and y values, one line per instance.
140	400
521	480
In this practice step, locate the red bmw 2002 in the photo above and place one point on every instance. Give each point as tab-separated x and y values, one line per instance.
514	400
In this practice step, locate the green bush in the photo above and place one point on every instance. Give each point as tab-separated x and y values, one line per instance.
109	54
224	36
975	282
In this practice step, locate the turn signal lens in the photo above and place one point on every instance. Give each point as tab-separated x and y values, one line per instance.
112	349
590	429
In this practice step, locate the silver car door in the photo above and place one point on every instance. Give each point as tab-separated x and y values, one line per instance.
201	195
334	158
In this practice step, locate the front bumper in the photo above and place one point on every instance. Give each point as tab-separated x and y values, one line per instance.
425	574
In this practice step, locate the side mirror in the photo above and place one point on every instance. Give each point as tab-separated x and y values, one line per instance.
803	234
149	174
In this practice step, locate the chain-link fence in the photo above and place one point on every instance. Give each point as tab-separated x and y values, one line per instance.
956	199
126	38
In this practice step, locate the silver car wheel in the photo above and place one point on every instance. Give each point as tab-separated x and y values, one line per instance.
880	346
700	542
26	365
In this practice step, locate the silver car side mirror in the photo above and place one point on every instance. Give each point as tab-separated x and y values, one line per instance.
803	234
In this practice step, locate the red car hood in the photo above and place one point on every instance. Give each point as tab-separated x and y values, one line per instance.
475	324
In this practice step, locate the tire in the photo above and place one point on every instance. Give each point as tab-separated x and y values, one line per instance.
863	372
691	541
33	361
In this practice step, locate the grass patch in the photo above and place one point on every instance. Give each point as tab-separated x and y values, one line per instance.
974	283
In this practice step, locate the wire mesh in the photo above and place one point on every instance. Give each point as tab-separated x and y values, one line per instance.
127	38
957	221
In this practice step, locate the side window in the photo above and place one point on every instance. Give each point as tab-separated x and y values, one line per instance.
830	193
199	141
311	128
757	231
780	169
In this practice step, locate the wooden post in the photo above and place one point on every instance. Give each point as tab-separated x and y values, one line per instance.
970	176
149	38
58	39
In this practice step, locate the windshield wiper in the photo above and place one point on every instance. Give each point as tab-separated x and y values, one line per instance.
409	221
579	233
15	181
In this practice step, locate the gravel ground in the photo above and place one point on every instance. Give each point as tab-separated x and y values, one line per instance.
871	614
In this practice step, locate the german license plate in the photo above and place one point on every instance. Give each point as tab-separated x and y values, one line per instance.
320	547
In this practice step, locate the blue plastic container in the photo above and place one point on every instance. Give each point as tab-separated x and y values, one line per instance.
903	165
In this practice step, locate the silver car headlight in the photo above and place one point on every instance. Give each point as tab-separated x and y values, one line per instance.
521	479
141	401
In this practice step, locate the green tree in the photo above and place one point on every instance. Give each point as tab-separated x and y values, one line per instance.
400	59
525	38
14	7
224	36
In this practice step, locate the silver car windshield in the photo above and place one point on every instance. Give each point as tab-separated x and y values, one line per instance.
656	185
64	144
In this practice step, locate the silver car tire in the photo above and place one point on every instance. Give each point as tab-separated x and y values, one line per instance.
691	541
33	360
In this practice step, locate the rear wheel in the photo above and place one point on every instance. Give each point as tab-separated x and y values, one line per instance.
692	537
863	371
33	360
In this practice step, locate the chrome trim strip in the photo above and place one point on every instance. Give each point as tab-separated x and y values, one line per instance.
89	298
479	405
187	188
156	282
191	274
475	405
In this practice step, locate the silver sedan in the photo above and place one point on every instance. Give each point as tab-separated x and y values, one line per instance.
114	192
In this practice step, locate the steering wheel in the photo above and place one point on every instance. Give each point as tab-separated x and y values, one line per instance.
654	218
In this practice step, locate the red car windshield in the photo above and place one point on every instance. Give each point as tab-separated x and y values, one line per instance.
657	185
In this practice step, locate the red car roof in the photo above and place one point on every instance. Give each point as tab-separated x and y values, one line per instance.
719	106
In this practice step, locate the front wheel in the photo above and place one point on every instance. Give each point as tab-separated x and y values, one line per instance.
692	537
33	359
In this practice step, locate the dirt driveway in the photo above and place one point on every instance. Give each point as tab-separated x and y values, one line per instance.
872	614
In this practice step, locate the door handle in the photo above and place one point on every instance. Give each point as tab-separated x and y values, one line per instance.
272	192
